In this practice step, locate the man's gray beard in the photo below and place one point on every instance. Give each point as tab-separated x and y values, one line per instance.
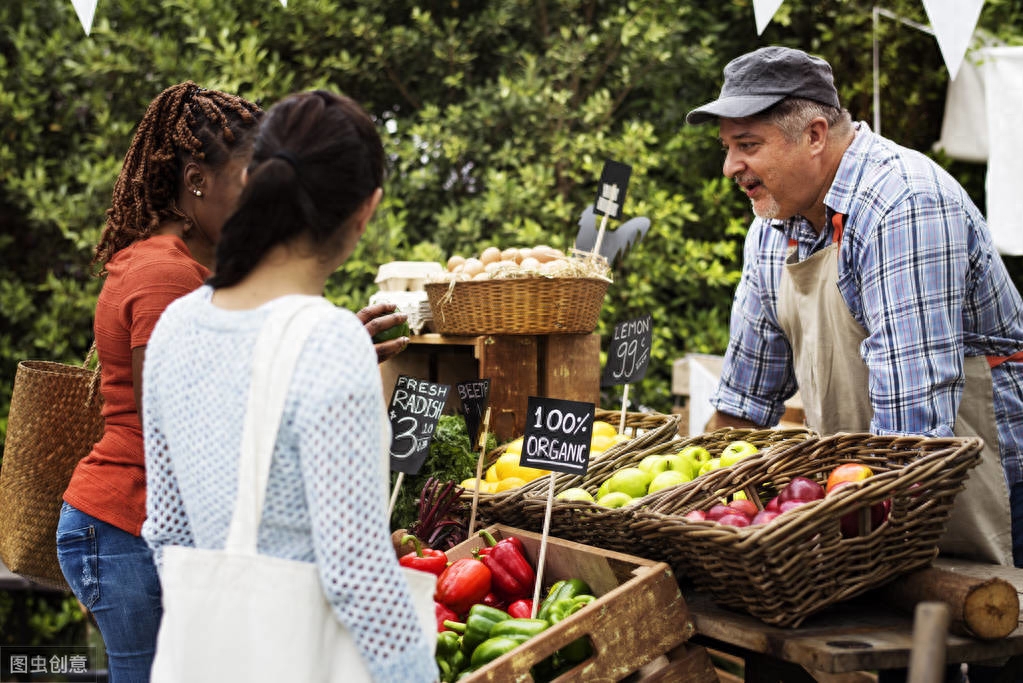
768	214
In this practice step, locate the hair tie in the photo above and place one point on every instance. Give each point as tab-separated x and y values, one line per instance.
287	156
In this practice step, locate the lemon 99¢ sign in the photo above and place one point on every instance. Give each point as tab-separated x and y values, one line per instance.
557	435
415	407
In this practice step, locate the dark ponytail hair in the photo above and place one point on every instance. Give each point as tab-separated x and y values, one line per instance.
316	159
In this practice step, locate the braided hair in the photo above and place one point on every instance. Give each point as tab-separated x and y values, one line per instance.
184	122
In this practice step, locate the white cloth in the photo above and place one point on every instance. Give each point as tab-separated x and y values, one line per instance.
326	497
964	127
1003	80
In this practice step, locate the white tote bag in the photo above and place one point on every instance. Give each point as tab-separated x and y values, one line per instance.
236	615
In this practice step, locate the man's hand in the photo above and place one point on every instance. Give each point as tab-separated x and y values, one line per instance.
380	317
721	420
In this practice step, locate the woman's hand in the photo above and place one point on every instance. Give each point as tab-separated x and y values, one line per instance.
380	317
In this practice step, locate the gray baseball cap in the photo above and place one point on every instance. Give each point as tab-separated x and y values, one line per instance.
760	79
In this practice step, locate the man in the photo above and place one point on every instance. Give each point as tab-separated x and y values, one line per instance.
871	284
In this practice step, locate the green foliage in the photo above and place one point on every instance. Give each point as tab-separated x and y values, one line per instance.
497	119
451	458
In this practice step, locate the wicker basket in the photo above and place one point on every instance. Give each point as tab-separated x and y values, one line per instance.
800	563
610	528
646	429
532	305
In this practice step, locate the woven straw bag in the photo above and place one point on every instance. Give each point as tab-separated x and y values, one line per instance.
53	423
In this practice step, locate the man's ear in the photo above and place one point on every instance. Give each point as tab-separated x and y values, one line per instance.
817	134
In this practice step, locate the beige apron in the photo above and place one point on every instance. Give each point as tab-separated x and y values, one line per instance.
833	385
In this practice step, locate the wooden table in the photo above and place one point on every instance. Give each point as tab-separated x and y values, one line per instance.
565	366
858	635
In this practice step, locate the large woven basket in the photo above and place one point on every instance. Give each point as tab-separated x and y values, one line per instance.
531	305
611	528
53	422
645	429
800	563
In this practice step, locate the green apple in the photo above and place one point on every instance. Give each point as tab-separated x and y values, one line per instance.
575	494
615	499
697	453
710	466
679	463
736	451
653	464
604	489
666	479
631	481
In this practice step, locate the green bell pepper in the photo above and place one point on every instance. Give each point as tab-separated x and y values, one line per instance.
567	588
492	648
477	626
519	628
578	650
449	656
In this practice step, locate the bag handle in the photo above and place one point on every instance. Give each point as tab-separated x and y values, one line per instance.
274	357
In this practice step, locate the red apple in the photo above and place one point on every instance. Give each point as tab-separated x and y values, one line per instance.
791	505
850	522
772	505
746	507
696	515
717	511
764	516
801	488
734	519
847	472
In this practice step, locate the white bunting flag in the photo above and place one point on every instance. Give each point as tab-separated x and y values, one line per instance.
953	22
284	3
763	10
85	9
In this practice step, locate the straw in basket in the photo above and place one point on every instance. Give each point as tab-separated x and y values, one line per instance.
798	564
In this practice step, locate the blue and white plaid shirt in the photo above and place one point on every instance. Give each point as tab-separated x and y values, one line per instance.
919	272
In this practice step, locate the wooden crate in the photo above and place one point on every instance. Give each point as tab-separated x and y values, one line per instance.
638	616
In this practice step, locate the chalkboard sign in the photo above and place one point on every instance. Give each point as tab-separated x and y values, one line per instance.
629	353
614	180
474	395
558	435
415	407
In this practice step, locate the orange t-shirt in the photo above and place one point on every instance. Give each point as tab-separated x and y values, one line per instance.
142	280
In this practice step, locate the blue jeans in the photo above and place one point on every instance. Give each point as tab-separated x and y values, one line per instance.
112	573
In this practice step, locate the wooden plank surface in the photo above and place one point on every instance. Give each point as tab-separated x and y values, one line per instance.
854	636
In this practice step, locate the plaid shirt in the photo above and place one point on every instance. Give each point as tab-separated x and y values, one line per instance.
918	270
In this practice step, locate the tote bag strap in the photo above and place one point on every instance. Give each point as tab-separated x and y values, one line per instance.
274	357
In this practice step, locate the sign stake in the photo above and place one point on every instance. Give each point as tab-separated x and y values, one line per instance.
541	558
479	472
394	493
625	402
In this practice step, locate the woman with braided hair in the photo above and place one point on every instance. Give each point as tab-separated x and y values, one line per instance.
180	181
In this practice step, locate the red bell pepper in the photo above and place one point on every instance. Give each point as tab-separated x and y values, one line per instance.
428	560
463	584
513	575
494	600
443	613
521	609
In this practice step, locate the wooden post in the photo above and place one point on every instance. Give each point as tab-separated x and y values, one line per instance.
930	631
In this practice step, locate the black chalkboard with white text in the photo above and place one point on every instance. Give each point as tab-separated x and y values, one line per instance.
629	352
558	435
415	407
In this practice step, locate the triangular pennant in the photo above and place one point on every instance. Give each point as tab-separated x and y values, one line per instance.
763	10
284	3
953	22
86	10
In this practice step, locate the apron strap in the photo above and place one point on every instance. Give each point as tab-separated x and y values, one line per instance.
995	361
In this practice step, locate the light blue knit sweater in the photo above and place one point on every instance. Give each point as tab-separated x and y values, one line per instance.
326	500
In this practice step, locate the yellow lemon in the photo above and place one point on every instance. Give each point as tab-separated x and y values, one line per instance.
601	428
509	483
530	473
506	465
491	474
469	484
619	438
601	443
488	487
514	447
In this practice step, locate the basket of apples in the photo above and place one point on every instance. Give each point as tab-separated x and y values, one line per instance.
597	509
786	535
